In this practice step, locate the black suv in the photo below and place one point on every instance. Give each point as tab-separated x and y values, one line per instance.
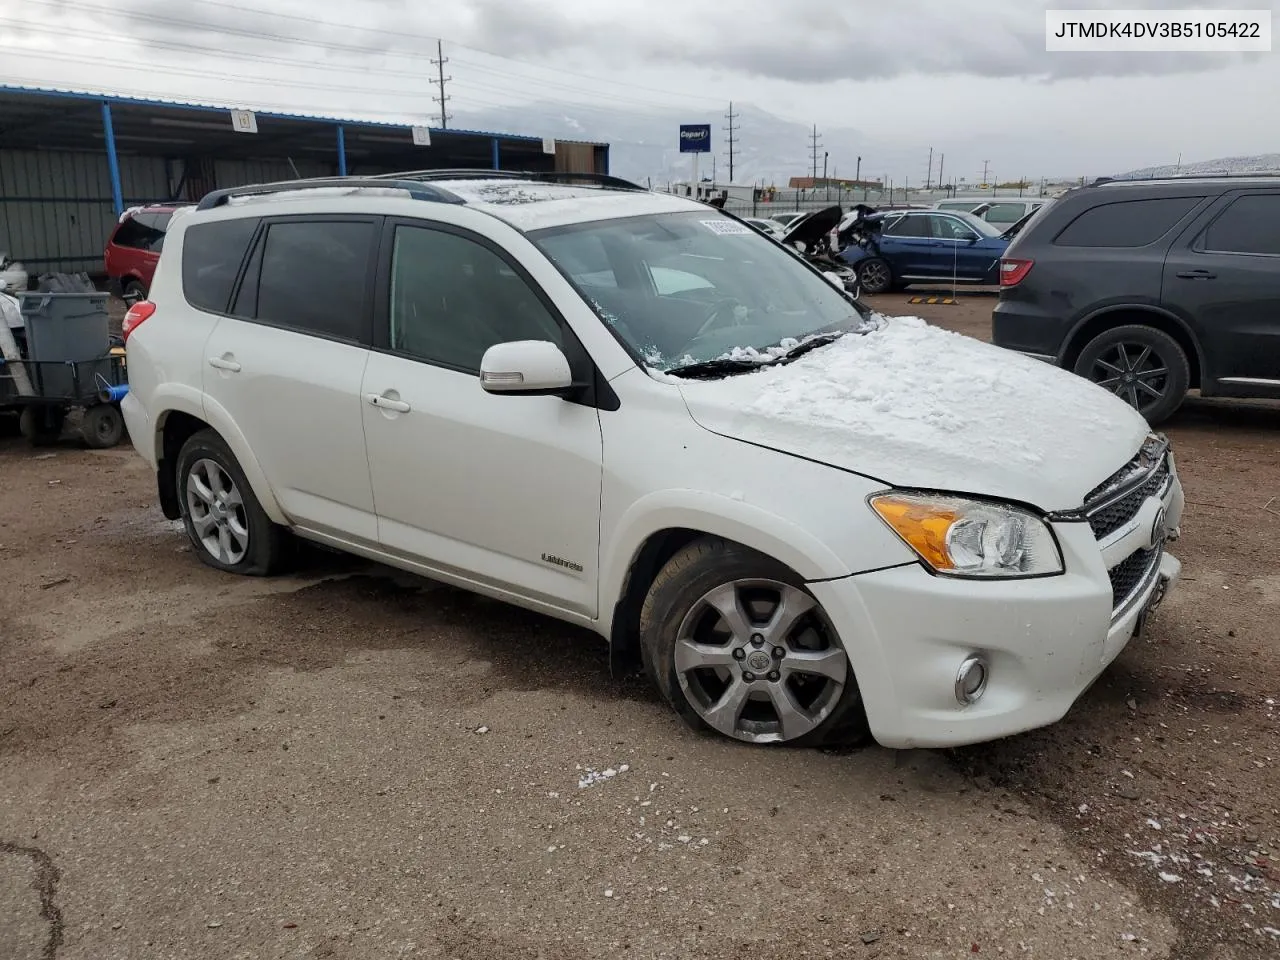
1151	288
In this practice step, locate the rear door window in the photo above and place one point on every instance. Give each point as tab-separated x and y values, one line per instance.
211	258
1126	223
314	277
1250	225
910	227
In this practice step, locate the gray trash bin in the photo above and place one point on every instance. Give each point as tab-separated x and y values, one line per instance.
64	328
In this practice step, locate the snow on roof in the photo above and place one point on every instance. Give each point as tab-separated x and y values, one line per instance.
532	205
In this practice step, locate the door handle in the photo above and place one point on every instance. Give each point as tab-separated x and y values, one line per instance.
222	363
1197	275
386	403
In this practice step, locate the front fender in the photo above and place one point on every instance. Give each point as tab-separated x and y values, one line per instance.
715	515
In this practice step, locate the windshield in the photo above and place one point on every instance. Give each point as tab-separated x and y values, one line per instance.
682	288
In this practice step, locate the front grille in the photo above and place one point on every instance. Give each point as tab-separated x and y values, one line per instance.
1127	576
1106	520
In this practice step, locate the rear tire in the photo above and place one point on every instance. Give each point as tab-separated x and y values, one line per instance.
1145	367
738	645
875	276
134	288
227	526
102	426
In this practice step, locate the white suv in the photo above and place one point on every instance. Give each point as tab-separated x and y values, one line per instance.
633	412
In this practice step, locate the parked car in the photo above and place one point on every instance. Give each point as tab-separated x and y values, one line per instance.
1001	212
1153	287
633	413
787	219
770	228
134	248
894	249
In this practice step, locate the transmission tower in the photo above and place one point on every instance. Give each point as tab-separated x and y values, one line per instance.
815	147
732	141
440	61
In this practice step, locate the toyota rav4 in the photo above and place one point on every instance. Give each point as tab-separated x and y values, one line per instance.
635	413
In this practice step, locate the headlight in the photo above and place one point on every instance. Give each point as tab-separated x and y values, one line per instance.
970	538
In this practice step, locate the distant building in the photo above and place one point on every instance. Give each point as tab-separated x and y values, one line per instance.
821	183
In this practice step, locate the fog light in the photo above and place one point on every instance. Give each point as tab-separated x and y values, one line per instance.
971	680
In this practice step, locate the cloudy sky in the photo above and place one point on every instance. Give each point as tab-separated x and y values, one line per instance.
969	77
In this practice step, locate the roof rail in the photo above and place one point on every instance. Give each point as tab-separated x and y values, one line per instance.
415	188
602	180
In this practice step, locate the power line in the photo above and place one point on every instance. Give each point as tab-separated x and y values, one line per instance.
732	140
440	62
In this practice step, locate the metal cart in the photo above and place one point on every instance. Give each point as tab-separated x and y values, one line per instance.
58	387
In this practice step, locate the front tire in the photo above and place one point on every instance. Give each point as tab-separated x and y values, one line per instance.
227	526
737	645
1145	367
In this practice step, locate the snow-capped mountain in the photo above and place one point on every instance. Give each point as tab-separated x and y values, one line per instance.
1226	166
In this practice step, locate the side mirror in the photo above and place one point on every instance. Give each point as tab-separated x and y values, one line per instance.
525	366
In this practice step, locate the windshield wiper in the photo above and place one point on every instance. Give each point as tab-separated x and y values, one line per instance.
811	344
715	368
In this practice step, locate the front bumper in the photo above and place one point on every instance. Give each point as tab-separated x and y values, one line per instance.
1045	641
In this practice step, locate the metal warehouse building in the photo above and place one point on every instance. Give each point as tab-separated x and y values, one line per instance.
70	163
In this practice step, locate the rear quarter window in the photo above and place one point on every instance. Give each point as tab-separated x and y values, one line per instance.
211	258
1126	223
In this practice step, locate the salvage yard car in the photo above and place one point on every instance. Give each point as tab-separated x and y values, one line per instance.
891	250
1151	288
636	414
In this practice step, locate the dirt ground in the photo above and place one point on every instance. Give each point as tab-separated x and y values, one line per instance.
352	763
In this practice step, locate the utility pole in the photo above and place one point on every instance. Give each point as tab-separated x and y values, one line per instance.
928	177
984	171
731	116
814	147
942	158
440	61
825	182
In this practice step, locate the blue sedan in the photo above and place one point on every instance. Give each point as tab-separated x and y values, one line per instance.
893	249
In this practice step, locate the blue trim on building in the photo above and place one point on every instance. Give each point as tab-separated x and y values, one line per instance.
113	162
342	151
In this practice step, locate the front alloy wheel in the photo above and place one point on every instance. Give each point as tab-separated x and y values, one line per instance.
757	660
737	645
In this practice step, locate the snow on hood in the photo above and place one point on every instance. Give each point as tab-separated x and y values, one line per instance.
916	406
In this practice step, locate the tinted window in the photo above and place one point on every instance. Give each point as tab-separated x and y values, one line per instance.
138	232
910	227
1127	223
314	277
211	258
453	298
1249	225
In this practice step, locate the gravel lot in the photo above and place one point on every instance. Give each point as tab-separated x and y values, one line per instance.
353	763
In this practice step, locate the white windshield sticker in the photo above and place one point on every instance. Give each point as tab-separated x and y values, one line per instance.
726	227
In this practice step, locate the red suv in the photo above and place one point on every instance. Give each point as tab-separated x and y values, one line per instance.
134	247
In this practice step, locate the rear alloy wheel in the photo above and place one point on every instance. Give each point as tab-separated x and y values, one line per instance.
874	276
737	645
224	520
1141	365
